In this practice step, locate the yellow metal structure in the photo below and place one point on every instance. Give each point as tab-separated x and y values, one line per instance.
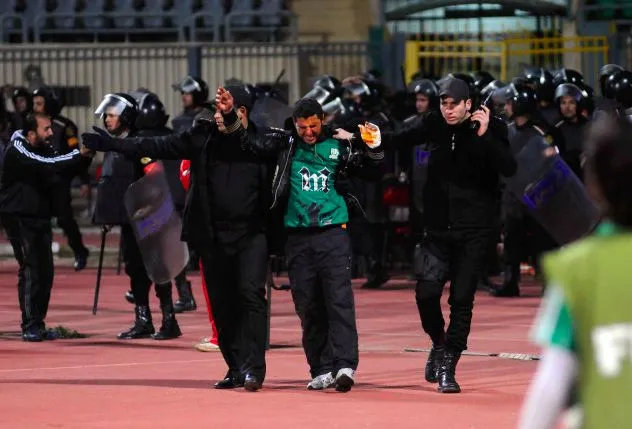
507	58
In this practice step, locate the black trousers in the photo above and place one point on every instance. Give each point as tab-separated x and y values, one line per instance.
458	256
523	232
235	278
140	283
62	209
319	267
31	239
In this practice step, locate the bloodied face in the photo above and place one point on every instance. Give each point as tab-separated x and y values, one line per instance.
310	128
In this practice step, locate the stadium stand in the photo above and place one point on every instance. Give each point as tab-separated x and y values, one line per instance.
72	21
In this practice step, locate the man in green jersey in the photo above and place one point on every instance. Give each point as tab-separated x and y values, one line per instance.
585	323
307	191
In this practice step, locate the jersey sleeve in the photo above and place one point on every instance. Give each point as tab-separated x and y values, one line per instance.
554	326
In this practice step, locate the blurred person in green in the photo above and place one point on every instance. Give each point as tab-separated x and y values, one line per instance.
585	321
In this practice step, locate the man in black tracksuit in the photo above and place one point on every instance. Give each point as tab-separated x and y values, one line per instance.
459	199
25	206
224	221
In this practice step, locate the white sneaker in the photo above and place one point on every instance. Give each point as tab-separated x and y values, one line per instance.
345	380
322	382
206	346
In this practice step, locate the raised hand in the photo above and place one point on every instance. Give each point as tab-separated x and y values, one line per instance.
223	100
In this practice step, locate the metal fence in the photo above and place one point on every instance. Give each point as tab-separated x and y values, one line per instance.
508	58
100	69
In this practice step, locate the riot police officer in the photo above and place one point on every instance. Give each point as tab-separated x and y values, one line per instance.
151	121
521	106
541	81
570	99
194	93
119	113
64	140
22	104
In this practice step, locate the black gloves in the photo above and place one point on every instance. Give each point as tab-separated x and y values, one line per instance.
100	140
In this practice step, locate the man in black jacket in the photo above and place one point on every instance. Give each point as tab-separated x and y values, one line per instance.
223	221
25	206
468	152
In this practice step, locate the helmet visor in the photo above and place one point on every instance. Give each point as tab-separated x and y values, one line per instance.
187	85
319	94
113	104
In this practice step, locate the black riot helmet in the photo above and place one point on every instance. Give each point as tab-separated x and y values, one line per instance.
623	89
325	89
542	80
151	112
21	91
605	72
52	102
426	87
120	104
523	99
569	90
482	78
565	75
195	86
611	82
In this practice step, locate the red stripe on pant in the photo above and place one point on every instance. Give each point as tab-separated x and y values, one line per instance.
208	307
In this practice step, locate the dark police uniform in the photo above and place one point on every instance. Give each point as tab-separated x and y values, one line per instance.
65	139
573	134
25	205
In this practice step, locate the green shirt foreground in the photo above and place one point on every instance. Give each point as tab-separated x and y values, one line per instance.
588	311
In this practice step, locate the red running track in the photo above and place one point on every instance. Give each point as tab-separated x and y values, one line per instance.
100	382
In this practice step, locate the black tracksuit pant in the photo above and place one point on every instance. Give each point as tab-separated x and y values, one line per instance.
31	239
62	209
458	256
235	280
319	266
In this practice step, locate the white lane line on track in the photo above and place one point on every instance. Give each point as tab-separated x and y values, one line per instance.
105	365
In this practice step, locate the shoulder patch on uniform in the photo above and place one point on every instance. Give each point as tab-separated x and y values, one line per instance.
548	139
70	132
145	160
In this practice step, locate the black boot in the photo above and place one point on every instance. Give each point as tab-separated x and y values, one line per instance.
447	380
129	297
435	360
143	326
509	288
376	274
185	301
169	328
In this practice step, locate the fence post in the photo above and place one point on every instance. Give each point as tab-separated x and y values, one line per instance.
411	65
194	59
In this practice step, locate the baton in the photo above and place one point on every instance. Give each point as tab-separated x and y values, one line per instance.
104	231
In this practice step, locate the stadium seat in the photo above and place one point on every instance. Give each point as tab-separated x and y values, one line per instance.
216	7
154	7
33	9
7	7
184	9
94	7
242	6
271	9
65	7
127	7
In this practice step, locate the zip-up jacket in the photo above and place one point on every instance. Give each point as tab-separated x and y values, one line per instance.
29	173
463	170
361	162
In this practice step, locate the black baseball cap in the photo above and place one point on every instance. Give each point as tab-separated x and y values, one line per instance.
241	96
455	88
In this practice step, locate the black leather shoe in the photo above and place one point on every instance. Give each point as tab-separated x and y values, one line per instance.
81	261
252	383
435	360
506	291
129	297
447	380
32	335
229	382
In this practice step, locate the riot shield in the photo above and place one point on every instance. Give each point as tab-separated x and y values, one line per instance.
157	225
268	112
551	192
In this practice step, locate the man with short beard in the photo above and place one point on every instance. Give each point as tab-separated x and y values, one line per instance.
569	99
25	206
